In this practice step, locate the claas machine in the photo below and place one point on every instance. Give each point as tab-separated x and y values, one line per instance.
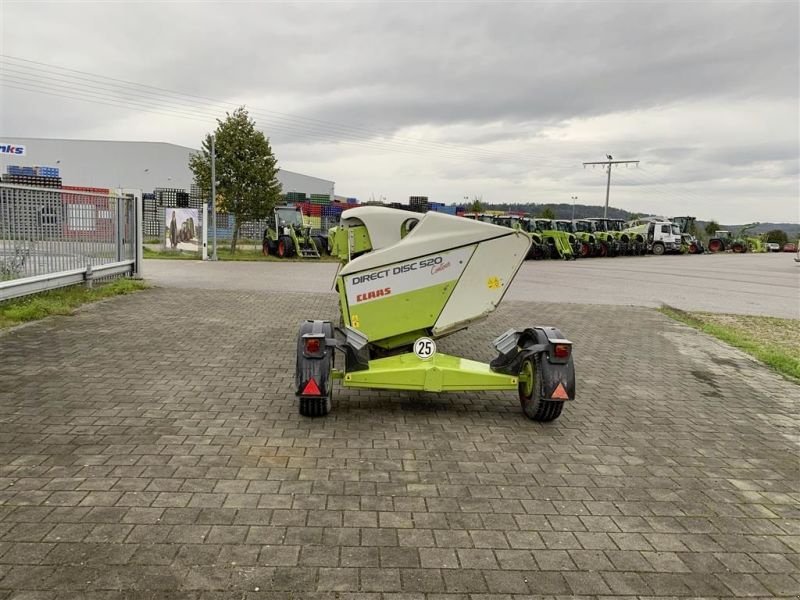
558	242
287	235
537	250
409	280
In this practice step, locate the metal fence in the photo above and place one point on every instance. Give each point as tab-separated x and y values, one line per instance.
52	238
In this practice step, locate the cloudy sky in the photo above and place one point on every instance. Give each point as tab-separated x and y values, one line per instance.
445	99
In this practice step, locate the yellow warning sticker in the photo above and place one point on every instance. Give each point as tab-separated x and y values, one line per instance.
354	321
494	283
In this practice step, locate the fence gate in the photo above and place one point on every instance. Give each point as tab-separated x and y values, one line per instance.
51	238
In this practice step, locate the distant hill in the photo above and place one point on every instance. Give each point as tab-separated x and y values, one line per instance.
791	229
564	211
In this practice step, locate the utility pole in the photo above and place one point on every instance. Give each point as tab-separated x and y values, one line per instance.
574	198
213	199
608	164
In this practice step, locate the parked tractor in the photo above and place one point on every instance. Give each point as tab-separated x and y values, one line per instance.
483	217
636	242
724	241
607	244
689	242
537	251
558	243
288	235
410	280
585	232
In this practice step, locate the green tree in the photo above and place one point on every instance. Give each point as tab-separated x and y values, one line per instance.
711	228
777	236
246	169
476	206
547	213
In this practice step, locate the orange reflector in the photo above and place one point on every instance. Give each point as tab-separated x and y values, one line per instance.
559	394
562	350
311	389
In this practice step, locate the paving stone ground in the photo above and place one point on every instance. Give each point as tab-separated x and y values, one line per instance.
150	447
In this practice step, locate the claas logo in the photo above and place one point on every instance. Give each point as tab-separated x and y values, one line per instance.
11	149
372	295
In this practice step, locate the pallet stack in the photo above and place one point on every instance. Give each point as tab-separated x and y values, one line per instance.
151	225
295	197
44	177
419	204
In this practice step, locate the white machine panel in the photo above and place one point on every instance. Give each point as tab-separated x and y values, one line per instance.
484	281
406	276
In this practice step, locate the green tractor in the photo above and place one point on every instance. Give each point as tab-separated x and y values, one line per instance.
557	243
604	242
612	242
584	244
537	251
724	240
407	282
288	235
585	232
635	241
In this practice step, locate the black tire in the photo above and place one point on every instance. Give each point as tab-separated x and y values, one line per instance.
531	397
285	247
320	245
269	248
658	249
738	248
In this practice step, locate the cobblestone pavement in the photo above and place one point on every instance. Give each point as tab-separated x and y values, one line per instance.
151	448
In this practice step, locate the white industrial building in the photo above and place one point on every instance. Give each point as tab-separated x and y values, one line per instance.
138	165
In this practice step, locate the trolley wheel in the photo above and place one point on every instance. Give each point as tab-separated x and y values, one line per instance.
531	397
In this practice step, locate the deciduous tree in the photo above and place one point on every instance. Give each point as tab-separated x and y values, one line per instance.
246	169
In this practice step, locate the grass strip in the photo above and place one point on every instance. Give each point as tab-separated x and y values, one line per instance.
771	340
62	301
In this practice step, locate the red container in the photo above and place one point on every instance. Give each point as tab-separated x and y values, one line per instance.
87	216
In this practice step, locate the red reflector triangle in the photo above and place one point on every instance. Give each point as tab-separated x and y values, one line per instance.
559	394
311	389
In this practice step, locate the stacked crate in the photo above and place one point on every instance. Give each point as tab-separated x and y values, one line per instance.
173	198
295	197
151	225
44	177
322	199
40	214
330	216
419	204
448	210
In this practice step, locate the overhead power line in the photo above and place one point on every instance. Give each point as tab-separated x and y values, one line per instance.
608	164
55	74
56	81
